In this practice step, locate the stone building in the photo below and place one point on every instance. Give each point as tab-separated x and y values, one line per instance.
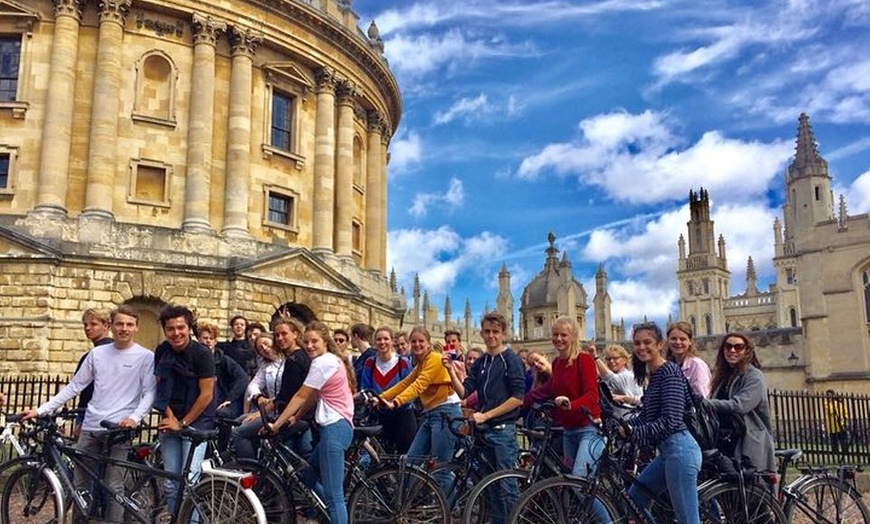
229	156
812	325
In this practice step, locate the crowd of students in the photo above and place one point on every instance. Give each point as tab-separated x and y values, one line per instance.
306	376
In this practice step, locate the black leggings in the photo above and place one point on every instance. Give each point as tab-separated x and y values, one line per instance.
399	429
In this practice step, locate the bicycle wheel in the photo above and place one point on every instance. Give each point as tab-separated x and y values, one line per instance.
459	484
559	500
398	494
826	500
144	491
270	489
476	509
725	503
29	497
217	500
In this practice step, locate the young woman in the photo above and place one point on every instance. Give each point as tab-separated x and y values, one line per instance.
470	402
660	424
681	349
574	384
288	339
262	391
381	372
430	382
613	371
540	366
330	387
739	388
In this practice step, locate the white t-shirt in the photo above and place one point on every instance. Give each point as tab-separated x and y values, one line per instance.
334	402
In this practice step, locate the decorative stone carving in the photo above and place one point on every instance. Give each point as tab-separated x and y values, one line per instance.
113	10
376	122
244	41
325	78
160	27
68	8
206	30
346	91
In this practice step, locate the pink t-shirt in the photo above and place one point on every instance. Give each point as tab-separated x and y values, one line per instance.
335	400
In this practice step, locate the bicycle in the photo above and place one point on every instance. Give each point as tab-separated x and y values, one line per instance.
543	459
565	498
42	490
817	496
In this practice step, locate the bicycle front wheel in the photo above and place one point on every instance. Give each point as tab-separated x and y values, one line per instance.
29	497
274	495
826	500
477	507
398	494
560	500
217	500
727	503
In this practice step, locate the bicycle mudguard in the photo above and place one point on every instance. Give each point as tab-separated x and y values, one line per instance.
234	476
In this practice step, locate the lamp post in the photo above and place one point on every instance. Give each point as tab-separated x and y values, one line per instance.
793	359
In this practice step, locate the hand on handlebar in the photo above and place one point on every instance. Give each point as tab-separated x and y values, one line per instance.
28	414
562	402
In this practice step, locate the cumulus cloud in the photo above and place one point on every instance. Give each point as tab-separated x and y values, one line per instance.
439	256
406	152
465	108
453	198
638	158
857	195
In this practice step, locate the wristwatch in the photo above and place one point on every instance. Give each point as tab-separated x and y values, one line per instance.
183	423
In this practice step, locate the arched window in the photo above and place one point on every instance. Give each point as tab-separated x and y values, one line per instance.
708	324
866	279
155	89
792	316
694	324
358	163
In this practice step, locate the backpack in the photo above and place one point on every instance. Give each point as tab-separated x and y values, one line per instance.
702	421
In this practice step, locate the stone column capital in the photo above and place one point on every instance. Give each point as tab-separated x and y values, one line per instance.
206	30
385	135
346	91
376	123
325	78
113	10
244	41
71	8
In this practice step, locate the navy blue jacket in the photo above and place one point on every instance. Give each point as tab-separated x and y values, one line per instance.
496	379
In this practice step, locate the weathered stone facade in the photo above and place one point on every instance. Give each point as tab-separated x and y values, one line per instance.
230	156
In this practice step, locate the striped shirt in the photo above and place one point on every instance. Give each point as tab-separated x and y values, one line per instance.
664	405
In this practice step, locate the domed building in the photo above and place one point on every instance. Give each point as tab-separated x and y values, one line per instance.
229	156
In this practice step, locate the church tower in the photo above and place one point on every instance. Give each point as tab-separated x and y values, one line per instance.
808	188
601	306
504	303
702	274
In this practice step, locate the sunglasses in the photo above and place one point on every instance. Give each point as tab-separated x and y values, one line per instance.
340	340
736	347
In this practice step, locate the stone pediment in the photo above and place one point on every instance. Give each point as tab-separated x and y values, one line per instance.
288	72
16	10
298	267
14	243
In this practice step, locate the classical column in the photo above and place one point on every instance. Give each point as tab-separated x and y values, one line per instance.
200	125
243	43
53	177
382	195
103	141
344	172
373	201
324	160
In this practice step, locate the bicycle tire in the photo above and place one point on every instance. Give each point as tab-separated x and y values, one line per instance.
217	500
826	500
274	494
144	490
28	497
723	503
476	508
460	485
395	494
560	500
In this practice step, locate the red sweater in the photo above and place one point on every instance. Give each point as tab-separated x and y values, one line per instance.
577	381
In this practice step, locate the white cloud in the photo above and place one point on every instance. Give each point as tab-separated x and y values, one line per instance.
857	195
636	158
406	152
453	198
439	256
465	108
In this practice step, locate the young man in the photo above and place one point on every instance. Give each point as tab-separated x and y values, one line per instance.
185	394
498	379
238	347
361	340
121	373
95	323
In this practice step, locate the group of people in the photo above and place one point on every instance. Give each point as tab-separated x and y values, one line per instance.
305	376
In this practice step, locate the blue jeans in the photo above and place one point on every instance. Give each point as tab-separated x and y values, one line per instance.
174	449
675	469
327	466
502	454
582	447
434	439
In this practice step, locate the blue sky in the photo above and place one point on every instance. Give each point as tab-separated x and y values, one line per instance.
594	119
